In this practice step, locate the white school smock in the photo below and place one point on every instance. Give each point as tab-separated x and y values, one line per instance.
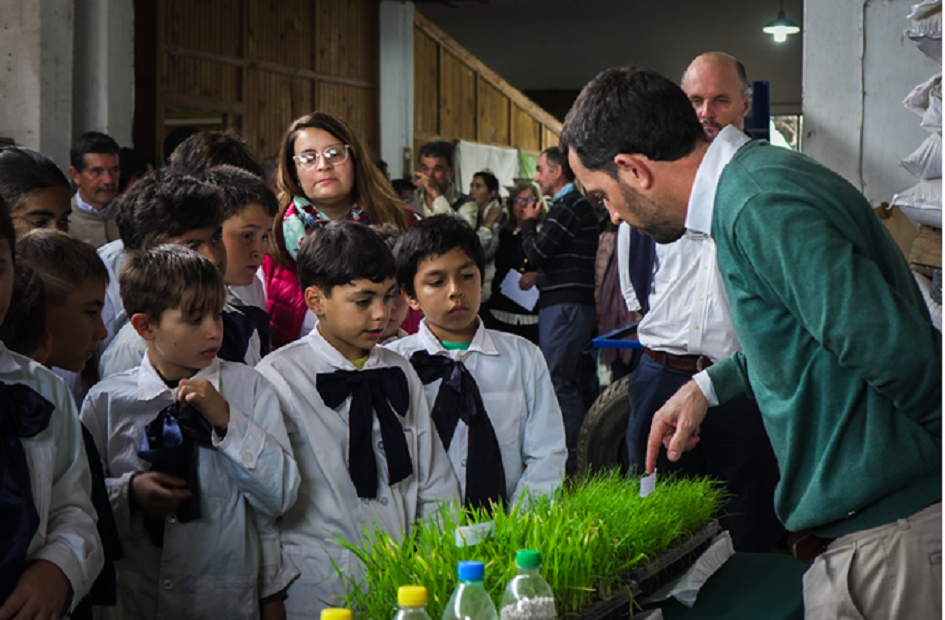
60	480
520	401
220	565
127	348
328	504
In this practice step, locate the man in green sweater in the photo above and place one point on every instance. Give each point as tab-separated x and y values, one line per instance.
838	347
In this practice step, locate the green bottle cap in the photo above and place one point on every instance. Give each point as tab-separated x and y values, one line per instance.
526	558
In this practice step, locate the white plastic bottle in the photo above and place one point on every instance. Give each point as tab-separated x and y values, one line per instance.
412	601
470	601
528	596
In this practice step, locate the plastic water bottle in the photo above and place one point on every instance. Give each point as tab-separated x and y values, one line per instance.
528	596
470	601
412	601
335	613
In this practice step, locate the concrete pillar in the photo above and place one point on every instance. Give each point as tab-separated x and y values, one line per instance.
396	83
858	67
36	39
104	84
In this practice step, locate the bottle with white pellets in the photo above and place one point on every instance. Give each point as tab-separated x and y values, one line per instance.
528	596
412	601
470	600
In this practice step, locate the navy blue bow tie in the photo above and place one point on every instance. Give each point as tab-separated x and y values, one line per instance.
459	399
170	444
381	392
238	328
23	413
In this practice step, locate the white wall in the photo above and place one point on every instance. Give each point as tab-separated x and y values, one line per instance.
858	67
396	87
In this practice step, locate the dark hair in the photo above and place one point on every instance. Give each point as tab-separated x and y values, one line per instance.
91	142
440	148
7	231
24	171
630	110
132	164
557	157
166	204
208	149
65	263
401	185
371	190
432	237
170	276
175	139
341	253
270	167
492	183
24	326
241	189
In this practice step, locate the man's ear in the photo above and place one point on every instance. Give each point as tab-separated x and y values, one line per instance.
142	324
315	300
41	354
634	169
411	302
74	174
746	105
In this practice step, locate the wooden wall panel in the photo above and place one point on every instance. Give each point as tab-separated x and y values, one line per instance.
204	78
273	101
457	98
346	38
426	90
549	138
526	131
493	115
356	106
209	25
280	32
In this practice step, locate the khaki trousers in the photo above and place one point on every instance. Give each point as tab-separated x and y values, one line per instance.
885	573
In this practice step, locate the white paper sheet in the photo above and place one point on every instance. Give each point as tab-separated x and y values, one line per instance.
509	287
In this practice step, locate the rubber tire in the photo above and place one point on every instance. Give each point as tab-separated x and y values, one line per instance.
602	442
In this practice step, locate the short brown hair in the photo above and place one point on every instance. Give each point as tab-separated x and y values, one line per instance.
207	149
170	276
24	326
64	262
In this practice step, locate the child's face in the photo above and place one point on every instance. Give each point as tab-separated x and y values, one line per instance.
448	292
245	236
44	209
354	317
6	277
207	241
179	345
76	326
398	312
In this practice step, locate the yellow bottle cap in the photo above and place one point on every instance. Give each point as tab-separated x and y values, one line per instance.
336	613
411	596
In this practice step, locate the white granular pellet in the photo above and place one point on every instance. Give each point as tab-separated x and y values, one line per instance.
538	608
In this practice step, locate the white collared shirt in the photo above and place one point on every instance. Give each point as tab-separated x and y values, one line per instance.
90	209
60	480
127	348
702	206
114	256
328	504
220	565
520	401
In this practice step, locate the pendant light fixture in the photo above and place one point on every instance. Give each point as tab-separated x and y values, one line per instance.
781	26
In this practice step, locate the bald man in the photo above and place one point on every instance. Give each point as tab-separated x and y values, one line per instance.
717	86
686	328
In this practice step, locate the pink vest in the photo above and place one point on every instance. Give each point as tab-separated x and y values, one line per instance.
286	305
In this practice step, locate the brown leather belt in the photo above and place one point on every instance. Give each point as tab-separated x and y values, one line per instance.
806	546
686	363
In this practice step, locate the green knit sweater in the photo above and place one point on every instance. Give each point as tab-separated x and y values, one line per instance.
837	344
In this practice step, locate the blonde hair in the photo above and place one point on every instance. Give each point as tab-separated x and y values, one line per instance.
520	187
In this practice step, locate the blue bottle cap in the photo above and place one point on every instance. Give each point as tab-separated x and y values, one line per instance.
471	571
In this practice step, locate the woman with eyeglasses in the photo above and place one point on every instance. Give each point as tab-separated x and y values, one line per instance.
503	313
326	173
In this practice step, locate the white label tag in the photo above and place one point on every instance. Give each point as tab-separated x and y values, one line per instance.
648	484
469	535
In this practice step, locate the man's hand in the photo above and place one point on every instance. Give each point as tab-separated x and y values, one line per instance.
676	424
527	280
42	593
532	210
431	190
201	394
491	215
159	494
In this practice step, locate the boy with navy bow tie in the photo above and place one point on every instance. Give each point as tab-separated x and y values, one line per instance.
490	392
358	419
197	462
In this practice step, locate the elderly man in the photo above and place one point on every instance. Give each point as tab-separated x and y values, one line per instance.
687	328
837	345
95	172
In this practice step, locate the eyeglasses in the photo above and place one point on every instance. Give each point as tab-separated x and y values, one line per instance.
334	155
521	202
